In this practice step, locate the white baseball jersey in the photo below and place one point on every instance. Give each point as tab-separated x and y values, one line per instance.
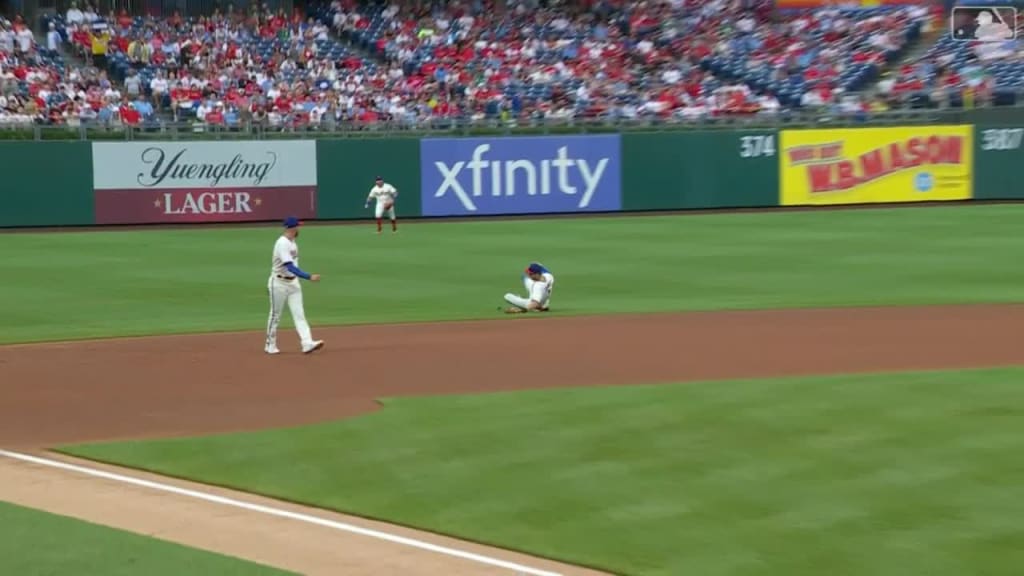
383	193
285	250
540	291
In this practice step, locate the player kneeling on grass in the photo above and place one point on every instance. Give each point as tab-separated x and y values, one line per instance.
539	283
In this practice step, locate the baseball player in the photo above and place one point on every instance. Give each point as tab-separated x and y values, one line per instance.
284	288
539	283
385	195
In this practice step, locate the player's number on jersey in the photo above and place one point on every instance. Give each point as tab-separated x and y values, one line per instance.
757	146
1002	139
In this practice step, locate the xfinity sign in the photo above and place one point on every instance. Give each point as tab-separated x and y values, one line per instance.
529	175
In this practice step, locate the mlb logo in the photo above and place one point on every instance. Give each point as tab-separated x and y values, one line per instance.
983	23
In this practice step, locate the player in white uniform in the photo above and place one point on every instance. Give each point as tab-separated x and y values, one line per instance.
284	288
385	195
539	283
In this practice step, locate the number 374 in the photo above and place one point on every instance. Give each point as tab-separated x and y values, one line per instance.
757	146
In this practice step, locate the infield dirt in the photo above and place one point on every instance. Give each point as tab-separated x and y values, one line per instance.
188	385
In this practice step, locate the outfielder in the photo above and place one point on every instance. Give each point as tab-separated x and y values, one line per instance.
385	195
539	283
284	288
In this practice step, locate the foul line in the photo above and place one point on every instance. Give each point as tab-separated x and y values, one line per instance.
280	513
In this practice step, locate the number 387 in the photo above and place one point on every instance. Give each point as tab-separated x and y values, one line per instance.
1001	139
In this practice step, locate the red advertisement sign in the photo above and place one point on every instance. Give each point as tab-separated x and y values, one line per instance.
169	206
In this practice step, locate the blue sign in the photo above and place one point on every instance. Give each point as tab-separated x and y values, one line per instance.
520	175
923	182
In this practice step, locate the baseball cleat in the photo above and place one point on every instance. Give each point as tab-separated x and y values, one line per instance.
317	344
273	350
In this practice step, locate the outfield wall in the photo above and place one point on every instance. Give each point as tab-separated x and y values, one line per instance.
46	184
151	182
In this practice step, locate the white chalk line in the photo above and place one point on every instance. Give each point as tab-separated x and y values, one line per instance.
280	513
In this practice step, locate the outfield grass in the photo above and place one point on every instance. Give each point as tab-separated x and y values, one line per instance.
92	284
902	474
35	543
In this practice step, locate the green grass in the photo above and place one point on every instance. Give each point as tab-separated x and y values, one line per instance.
91	284
36	543
903	474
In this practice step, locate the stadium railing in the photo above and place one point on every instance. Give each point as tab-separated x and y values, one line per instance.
161	130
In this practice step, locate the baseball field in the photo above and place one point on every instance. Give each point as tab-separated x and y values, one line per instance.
776	394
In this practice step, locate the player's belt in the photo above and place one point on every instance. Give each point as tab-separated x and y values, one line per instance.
286	277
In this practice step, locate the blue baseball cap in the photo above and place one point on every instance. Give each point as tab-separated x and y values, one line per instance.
292	222
535	269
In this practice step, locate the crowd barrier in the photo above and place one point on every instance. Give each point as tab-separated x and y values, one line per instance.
182	181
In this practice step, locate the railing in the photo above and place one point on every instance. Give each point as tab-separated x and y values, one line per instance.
198	131
164	7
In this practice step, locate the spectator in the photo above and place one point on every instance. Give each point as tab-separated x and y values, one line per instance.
74	16
99	39
205	108
25	40
662	60
215	116
53	39
87	114
81	42
769	104
110	91
7	39
159	88
90	15
144	107
133	85
107	112
139	52
128	114
231	116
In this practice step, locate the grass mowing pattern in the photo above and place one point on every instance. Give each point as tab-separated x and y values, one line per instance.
92	284
36	543
901	474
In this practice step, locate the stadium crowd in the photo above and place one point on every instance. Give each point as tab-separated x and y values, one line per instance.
349	63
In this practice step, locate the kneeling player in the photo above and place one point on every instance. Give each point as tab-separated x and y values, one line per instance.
539	283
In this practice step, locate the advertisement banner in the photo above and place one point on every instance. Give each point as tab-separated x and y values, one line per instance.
876	165
184	182
520	175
